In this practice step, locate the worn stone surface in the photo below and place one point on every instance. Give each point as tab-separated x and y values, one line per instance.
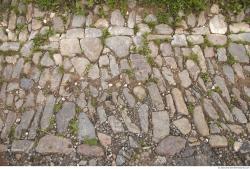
54	144
160	122
179	102
90	151
200	122
86	128
119	44
92	48
171	145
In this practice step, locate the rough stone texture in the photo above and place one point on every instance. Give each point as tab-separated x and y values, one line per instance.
183	125
179	102
54	144
22	146
144	117
70	47
64	116
86	129
218	141
140	66
200	122
115	124
155	96
171	145
90	151
92	48
218	25
238	51
119	44
160	122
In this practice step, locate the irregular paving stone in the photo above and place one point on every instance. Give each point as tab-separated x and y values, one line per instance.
166	49
238	70
209	109
78	21
239	27
170	104
140	66
218	25
238	51
90	151
245	147
9	46
193	69
163	29
119	44
114	67
102	23
179	102
236	129
26	84
93	33
119	30
239	115
185	79
115	124
80	64
131	126
11	117
92	48
183	125
246	91
75	33
22	146
218	141
51	144
155	96
129	98
117	18
241	37
200	122
105	140
220	82
195	39
86	128
101	114
64	116
228	71
35	123
94	72
58	24
217	39
46	60
168	75
201	59
221	54
160	121
139	92
70	47
144	117
191	20
26	119
222	106
18	68
26	50
132	19
171	145
179	41
47	112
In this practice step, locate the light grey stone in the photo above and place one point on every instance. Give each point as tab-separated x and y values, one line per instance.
129	97
222	54
144	117
86	128
179	40
220	82
75	33
163	29
166	49
168	75
115	124
140	66
200	121
93	33
193	69
183	125
119	45
70	47
21	146
78	21
120	30
184	78
239	115
139	92
47	112
218	25
217	39
11	118
228	71
160	121
50	144
101	114
179	102
155	96
218	141
80	64
130	125
201	59
46	60
94	72
117	18
92	48
209	109
238	51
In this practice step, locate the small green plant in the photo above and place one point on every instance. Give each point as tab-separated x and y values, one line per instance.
90	141
163	17
194	57
231	60
79	10
52	121
61	69
205	77
20	27
150	60
41	39
78	109
12	133
57	107
93	101
207	42
217	89
105	34
190	107
231	141
129	72
73	126
2	80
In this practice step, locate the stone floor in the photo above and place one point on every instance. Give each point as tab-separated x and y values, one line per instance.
124	90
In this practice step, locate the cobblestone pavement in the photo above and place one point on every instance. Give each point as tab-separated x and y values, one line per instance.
124	89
